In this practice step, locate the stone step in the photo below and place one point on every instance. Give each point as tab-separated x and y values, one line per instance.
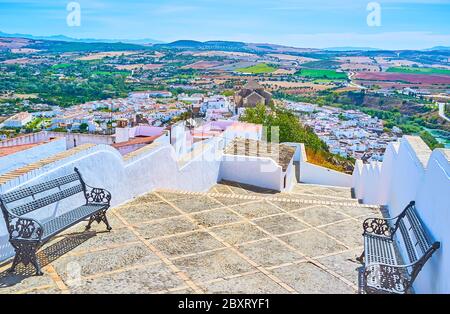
306	196
332	191
272	197
299	191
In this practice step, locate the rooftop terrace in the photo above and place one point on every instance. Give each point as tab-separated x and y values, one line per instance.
280	153
233	239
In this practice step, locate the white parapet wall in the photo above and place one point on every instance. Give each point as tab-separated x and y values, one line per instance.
412	172
314	174
22	158
257	171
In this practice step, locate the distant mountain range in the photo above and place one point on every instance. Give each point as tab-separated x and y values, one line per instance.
351	49
440	48
145	41
207	45
192	44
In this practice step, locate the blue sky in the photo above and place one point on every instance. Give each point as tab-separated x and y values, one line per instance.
405	24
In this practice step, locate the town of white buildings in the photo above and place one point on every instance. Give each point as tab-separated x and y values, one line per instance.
349	133
147	154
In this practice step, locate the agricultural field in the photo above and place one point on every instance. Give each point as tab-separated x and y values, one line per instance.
322	74
201	65
102	55
261	68
404	77
360	67
414	70
285	57
287	85
360	60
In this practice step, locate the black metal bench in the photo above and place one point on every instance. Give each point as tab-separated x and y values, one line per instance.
383	271
27	234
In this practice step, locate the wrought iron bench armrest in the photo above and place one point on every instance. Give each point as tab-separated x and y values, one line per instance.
97	195
390	278
379	226
23	228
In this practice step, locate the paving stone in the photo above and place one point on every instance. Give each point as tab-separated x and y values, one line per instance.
344	264
170	196
196	204
144	280
183	291
166	227
216	217
313	243
81	242
213	265
238	233
319	215
187	244
257	209
269	253
140	213
307	278
290	206
23	279
357	211
52	290
231	201
280	224
145	199
248	284
349	232
104	261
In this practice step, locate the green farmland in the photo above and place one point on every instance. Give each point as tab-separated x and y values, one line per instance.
412	70
261	68
322	74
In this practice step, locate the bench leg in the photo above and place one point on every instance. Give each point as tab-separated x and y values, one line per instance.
105	220
99	217
91	220
26	254
361	258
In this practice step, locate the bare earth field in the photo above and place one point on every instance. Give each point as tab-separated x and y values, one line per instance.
13	43
101	55
356	60
291	58
200	65
396	62
278	84
359	67
284	72
224	54
24	50
130	67
410	78
17	61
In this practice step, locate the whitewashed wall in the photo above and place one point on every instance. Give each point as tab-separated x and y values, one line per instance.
257	171
410	171
20	159
433	202
313	174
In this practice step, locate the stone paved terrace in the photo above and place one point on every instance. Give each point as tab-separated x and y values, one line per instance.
233	239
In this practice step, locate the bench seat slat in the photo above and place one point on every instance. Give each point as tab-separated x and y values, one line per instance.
379	250
419	232
39	188
47	200
62	222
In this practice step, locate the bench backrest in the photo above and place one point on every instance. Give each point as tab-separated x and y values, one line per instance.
415	237
29	199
